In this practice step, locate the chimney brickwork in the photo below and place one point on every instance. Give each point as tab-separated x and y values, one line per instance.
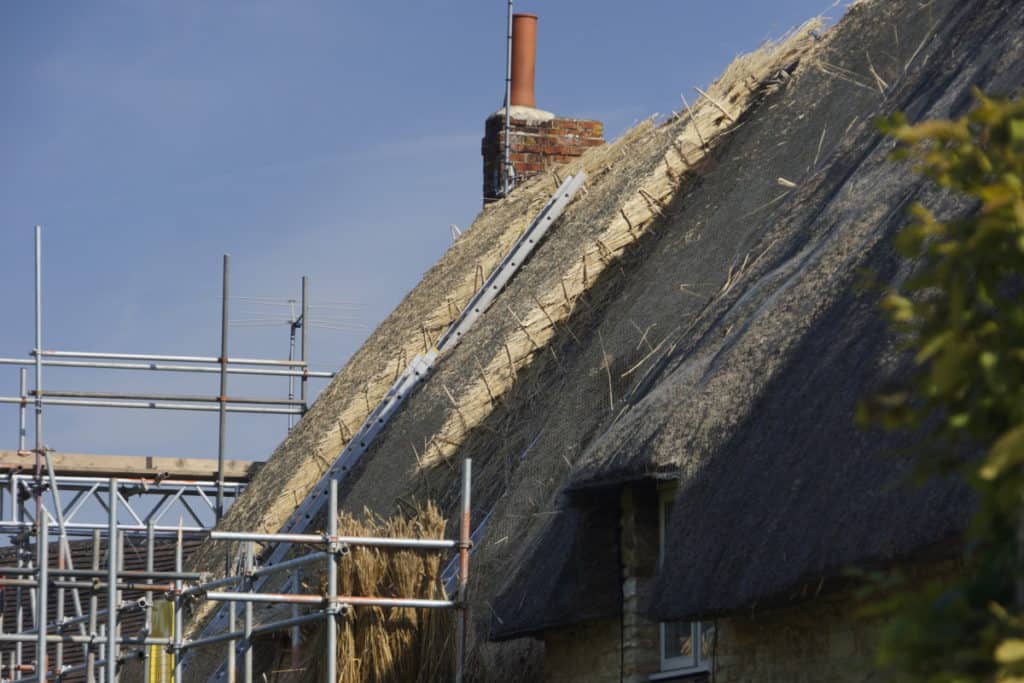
538	142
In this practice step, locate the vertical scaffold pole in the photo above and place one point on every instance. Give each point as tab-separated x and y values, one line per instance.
506	161
112	560
150	549
304	344
247	642
43	552
18	505
90	659
462	624
179	611
232	645
222	428
41	522
331	665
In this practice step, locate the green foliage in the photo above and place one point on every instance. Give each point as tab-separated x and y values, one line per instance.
962	314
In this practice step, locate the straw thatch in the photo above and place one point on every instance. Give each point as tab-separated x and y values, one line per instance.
641	338
750	403
473	399
375	644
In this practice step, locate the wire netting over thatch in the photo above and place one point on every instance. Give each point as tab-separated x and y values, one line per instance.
691	317
749	398
384	644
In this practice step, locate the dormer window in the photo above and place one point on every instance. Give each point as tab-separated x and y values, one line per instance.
686	646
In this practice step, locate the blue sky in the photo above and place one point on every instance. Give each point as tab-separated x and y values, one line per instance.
333	139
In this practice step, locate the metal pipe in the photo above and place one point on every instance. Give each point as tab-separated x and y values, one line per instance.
289	564
270	598
421	603
331	645
294	622
168	368
232	627
90	658
150	551
179	612
295	633
150	484
154	405
363	541
23	393
118	593
222	425
304	343
17	506
104	395
111	664
43	543
216	535
199	589
462	624
78	640
103	639
506	165
64	560
167	359
247	640
93	574
211	640
81	528
41	521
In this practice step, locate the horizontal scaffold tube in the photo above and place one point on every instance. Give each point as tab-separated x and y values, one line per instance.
107	395
158	367
153	405
168	359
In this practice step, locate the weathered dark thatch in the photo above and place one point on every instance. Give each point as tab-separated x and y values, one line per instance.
750	402
690	317
572	585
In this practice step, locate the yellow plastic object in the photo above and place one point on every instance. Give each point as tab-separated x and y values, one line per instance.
161	662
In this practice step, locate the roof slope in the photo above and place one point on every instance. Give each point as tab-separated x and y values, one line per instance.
643	334
749	400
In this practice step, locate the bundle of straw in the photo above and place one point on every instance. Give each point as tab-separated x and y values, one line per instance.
389	645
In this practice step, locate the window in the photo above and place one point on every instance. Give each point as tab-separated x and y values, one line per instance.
685	645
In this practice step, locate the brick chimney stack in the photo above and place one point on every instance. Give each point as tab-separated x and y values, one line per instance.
538	140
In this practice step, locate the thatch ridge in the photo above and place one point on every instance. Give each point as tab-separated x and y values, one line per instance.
615	353
751	404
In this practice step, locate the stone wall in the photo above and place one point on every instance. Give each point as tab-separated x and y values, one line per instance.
818	641
822	640
639	542
538	141
586	653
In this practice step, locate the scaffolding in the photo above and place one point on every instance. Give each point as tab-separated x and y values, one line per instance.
106	646
100	633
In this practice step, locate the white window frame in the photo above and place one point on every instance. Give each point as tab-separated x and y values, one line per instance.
674	666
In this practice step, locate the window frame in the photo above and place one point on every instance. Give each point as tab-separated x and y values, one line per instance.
671	666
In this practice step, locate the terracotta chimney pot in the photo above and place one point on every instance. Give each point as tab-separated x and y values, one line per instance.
524	59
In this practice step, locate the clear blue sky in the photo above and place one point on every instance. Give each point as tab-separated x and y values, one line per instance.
334	139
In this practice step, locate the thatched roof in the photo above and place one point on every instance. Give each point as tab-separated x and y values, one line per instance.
573	574
684	296
750	402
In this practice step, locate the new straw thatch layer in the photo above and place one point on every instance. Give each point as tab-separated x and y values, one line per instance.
474	399
383	644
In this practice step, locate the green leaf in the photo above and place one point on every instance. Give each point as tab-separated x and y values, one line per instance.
933	346
1017	130
1010	650
1007	451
